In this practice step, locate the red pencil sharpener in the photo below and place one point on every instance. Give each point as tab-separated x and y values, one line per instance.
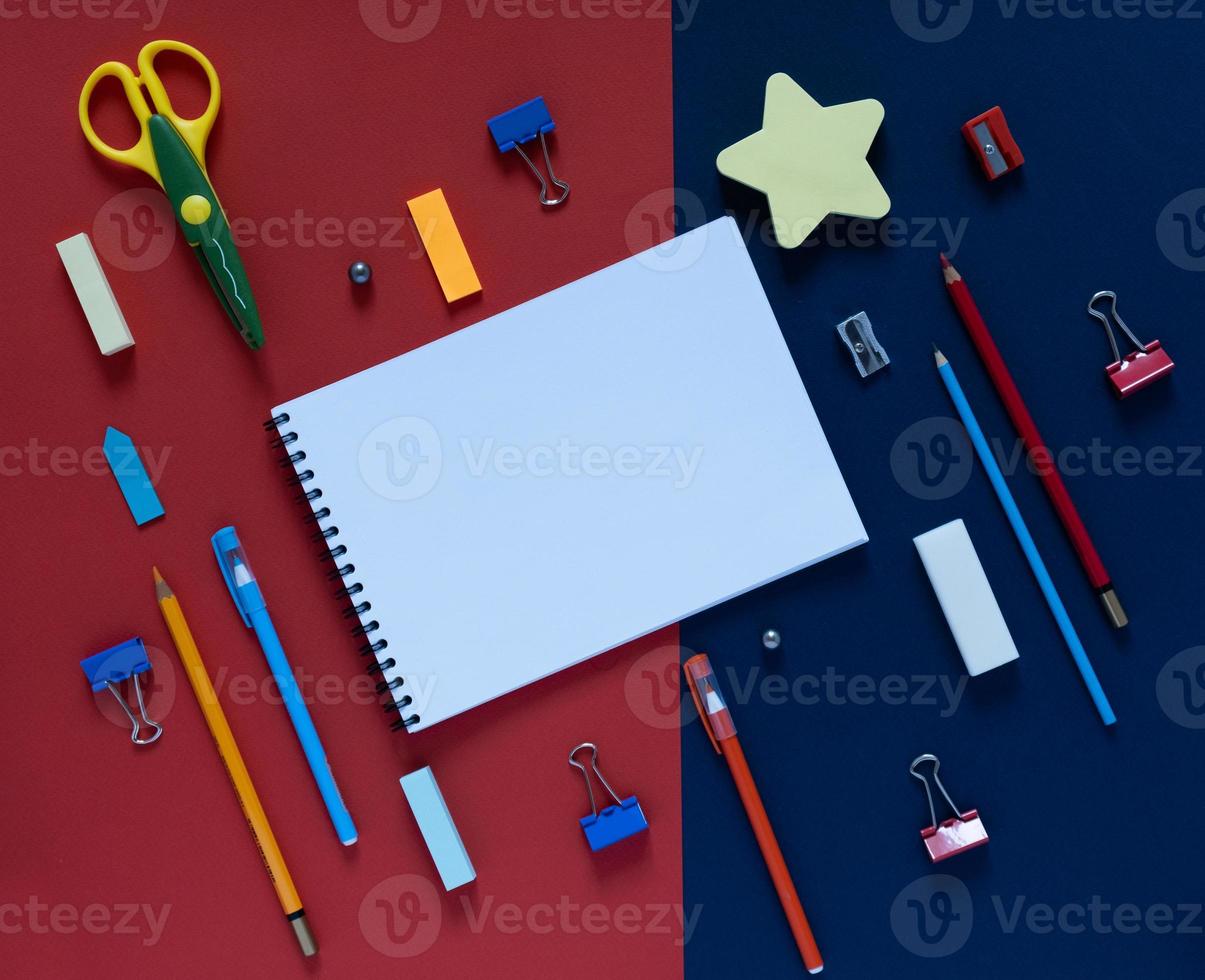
988	136
953	836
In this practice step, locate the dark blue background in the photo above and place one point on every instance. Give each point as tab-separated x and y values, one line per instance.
1109	115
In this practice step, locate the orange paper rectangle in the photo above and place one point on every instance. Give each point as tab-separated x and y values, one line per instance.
445	248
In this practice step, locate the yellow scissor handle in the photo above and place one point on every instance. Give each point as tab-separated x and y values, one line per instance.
195	132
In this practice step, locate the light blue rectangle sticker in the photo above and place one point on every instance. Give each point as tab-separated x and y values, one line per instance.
132	478
438	829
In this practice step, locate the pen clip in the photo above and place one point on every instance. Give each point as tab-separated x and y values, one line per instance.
705	692
225	542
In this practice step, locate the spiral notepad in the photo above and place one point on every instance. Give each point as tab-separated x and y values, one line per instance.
567	476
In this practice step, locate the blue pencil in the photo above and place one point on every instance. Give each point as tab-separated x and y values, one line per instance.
1025	539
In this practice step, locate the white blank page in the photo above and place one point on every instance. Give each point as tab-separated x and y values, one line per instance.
574	473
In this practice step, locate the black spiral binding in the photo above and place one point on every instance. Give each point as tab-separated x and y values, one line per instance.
335	553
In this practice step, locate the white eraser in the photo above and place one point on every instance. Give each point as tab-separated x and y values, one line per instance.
966	597
95	296
438	829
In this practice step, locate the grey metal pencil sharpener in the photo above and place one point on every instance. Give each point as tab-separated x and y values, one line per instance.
858	336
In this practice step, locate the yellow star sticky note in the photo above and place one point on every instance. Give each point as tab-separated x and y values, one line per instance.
809	160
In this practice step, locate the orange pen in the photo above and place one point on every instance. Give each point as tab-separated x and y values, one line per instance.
705	691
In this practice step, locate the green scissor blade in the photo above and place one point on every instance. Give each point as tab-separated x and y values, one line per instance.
183	178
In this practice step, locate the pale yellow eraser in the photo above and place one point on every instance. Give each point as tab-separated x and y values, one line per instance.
94	294
445	248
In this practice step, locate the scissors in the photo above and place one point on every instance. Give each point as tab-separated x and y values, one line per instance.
171	149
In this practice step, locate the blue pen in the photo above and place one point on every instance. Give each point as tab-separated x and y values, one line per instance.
1078	654
249	601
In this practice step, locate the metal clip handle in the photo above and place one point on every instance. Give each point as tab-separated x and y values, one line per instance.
564	186
593	765
928	792
1103	318
141	711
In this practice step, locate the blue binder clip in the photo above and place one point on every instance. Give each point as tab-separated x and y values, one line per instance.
614	823
107	669
520	125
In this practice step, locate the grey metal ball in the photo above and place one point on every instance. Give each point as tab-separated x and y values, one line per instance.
771	640
359	272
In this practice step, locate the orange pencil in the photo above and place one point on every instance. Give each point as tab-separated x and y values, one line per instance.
236	769
705	691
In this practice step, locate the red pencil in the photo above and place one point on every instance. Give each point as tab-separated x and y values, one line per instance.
1039	453
717	720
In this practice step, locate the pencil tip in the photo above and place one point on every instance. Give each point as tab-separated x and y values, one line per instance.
939	357
162	589
945	263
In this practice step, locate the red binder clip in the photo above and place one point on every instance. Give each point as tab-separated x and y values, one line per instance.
993	144
960	833
1146	364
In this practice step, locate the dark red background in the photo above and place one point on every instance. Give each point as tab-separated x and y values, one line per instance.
324	117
